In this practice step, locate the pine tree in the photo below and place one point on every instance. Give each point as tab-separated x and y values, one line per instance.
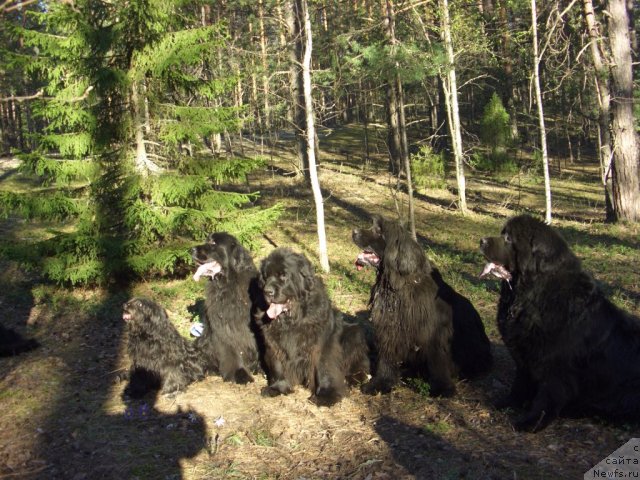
123	220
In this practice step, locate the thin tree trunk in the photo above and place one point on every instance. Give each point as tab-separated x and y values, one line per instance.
310	138
265	78
405	158
543	132
601	80
626	183
451	101
143	165
295	25
394	136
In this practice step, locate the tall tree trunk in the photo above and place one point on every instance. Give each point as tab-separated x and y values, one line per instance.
310	136
394	136
601	80
626	183
295	23
541	126
265	77
450	87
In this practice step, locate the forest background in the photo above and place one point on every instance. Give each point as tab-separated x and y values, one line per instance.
131	129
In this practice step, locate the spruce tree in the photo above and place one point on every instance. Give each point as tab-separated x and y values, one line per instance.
122	220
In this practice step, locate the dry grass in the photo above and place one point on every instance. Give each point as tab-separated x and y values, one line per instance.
64	417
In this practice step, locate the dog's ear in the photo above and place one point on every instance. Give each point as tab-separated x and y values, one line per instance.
550	252
401	254
411	259
306	272
377	226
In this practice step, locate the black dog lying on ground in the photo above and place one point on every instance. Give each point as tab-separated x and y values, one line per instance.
303	334
228	343
12	343
161	359
420	322
575	352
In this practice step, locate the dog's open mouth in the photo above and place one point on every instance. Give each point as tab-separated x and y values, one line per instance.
209	269
276	309
497	270
367	258
126	316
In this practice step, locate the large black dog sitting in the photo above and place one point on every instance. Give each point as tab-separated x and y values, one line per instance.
228	344
420	321
161	359
574	351
303	335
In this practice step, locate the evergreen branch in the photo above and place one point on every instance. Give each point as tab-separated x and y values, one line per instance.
40	94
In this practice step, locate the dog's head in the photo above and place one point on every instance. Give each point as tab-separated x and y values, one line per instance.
220	254
389	246
526	246
141	312
287	278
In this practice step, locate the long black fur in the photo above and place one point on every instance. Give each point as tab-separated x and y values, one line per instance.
228	343
420	322
12	343
161	359
575	352
303	334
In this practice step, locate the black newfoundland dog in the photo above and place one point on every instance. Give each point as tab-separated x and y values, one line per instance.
228	343
303	335
575	352
161	359
12	343
420	322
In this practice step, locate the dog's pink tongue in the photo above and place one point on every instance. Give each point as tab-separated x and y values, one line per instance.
275	309
207	270
496	270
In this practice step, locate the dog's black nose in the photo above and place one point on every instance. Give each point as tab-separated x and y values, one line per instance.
268	291
484	242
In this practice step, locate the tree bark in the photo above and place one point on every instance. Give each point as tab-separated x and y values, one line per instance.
295	22
626	184
601	80
541	125
450	87
310	136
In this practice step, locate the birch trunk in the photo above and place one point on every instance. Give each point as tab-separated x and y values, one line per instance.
543	131
453	111
310	135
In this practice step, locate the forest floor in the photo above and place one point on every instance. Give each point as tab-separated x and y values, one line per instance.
64	417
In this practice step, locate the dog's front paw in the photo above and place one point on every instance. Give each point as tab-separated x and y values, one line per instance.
377	386
532	422
325	397
280	387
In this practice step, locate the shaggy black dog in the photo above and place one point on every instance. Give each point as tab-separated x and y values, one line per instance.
12	343
575	352
228	344
303	333
161	359
420	322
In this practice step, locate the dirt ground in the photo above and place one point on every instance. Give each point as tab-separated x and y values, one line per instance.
64	417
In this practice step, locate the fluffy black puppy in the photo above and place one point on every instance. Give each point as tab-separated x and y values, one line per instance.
575	352
12	343
228	343
303	333
161	359
420	322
